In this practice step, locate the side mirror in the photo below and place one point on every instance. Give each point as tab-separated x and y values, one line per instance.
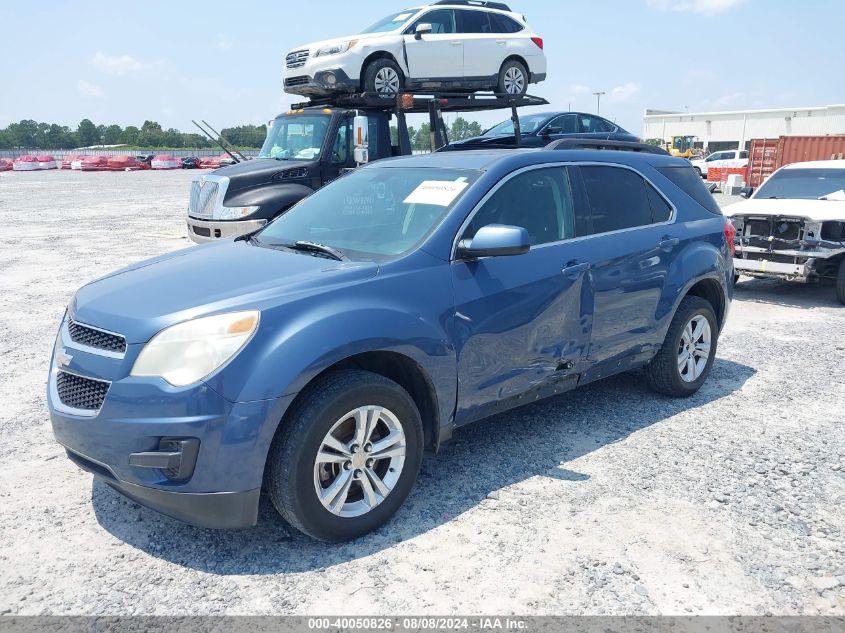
422	29
495	240
552	130
746	192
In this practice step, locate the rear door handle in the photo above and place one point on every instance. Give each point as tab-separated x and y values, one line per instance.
501	42
668	243
573	269
457	43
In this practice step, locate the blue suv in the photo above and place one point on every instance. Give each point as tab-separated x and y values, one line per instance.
317	359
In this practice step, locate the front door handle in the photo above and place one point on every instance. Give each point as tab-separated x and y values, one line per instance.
668	243
574	269
457	43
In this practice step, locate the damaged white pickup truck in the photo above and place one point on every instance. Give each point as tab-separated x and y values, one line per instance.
793	226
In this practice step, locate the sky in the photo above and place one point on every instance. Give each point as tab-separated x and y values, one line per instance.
173	61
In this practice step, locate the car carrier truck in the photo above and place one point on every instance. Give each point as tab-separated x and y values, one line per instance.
312	144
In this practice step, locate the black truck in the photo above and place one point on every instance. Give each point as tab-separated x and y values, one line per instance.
314	143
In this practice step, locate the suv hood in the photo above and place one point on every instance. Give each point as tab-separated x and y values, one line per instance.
313	46
818	210
143	299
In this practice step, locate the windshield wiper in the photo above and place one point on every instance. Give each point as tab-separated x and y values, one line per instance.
316	247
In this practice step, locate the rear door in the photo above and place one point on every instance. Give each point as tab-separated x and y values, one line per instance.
522	322
438	54
483	50
633	244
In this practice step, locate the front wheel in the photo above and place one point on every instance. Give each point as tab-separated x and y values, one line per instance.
513	78
346	457
686	356
384	78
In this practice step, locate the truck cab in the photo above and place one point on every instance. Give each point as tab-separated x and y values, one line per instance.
305	148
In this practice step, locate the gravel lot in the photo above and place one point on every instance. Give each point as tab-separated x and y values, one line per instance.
608	500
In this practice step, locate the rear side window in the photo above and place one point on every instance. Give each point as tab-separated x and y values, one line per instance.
473	22
743	154
503	24
661	211
688	180
617	198
594	125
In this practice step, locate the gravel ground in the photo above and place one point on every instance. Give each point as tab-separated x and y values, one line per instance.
608	500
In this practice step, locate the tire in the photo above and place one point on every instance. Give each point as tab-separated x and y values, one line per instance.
664	373
513	78
840	282
383	77
326	407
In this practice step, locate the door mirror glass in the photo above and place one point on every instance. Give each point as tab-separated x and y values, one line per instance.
495	240
422	29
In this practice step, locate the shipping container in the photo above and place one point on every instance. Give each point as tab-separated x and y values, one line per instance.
767	155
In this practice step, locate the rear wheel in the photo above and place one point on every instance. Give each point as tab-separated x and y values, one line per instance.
686	356
384	78
840	281
347	457
513	78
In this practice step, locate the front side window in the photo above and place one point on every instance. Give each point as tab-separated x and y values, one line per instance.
804	184
295	137
617	198
473	21
527	125
342	146
441	20
538	200
743	154
566	124
373	213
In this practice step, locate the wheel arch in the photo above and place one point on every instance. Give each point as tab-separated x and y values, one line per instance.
369	59
713	293
516	58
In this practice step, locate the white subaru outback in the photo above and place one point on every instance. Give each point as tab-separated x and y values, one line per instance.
461	45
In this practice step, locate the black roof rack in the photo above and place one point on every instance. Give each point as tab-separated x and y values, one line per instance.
477	3
589	143
418	102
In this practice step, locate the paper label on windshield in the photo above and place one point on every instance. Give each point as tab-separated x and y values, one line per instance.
439	192
402	17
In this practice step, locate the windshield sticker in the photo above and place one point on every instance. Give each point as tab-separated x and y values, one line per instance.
402	17
438	192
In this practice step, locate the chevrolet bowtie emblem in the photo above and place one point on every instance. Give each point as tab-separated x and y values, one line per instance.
63	358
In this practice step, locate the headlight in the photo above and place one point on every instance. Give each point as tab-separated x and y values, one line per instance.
188	352
335	49
233	213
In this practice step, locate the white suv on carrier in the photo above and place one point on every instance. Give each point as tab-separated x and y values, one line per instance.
452	44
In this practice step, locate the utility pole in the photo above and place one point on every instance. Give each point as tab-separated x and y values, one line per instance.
598	101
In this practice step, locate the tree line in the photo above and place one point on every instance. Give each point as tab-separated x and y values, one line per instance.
29	134
421	138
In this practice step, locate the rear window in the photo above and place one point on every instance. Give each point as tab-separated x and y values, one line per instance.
688	180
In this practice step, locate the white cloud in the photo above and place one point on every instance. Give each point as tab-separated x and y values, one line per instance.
729	99
88	89
224	43
578	89
624	92
702	7
117	65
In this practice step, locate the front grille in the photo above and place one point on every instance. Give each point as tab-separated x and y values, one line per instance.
301	80
296	59
77	392
92	337
770	232
203	198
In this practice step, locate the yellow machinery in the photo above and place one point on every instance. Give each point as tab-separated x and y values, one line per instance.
683	146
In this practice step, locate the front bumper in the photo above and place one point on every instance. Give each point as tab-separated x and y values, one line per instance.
202	231
318	78
127	440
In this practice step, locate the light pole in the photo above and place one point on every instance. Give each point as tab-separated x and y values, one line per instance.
598	101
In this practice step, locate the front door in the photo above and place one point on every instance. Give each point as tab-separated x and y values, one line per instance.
437	54
521	322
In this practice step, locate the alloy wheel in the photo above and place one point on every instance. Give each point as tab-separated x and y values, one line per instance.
359	461
387	82
514	80
694	348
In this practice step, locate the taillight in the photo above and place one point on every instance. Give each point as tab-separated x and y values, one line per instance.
730	235
538	41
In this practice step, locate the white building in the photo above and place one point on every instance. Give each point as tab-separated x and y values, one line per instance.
729	130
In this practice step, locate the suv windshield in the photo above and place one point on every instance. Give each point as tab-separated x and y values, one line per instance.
295	137
804	184
372	214
527	125
390	23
